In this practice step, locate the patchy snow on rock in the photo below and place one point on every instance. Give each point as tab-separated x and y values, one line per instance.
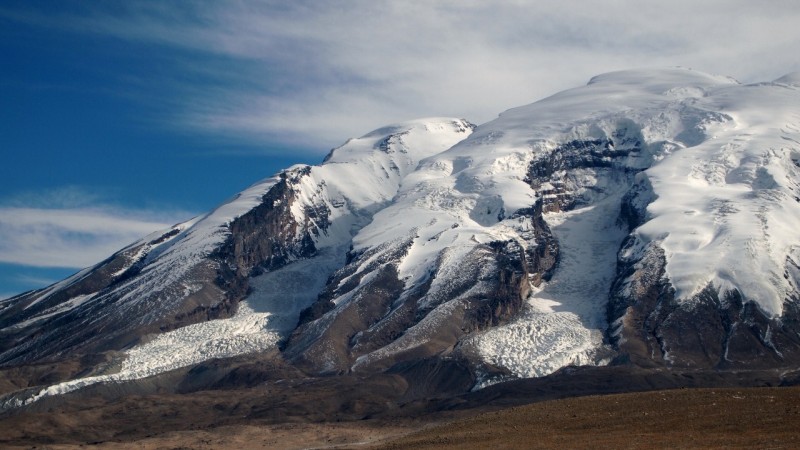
356	180
74	302
246	332
266	317
564	321
719	158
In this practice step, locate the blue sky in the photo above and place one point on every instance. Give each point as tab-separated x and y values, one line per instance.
119	118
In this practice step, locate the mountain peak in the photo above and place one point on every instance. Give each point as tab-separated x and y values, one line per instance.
790	79
436	132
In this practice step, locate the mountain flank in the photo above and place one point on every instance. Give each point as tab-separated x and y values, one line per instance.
638	232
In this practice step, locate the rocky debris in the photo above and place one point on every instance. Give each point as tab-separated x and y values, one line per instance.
552	173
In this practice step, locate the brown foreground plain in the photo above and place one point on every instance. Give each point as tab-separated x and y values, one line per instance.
683	418
766	417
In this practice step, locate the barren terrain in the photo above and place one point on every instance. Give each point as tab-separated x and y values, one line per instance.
314	416
684	418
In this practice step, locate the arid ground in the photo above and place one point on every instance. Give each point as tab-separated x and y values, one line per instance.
684	418
679	418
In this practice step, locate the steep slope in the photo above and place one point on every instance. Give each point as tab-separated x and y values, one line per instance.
709	277
503	250
199	270
645	218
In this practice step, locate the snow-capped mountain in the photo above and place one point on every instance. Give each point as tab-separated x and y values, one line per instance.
646	218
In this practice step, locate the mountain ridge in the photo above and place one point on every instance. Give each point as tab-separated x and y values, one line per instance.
645	218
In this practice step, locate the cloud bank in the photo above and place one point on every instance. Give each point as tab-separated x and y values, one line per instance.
316	73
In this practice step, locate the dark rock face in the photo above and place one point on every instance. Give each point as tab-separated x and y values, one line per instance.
265	238
268	237
651	328
549	173
540	260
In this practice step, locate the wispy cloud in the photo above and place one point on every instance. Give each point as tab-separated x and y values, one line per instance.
67	237
35	280
60	198
315	73
71	227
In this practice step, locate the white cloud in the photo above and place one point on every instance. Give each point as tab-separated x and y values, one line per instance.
316	73
76	237
59	198
71	227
